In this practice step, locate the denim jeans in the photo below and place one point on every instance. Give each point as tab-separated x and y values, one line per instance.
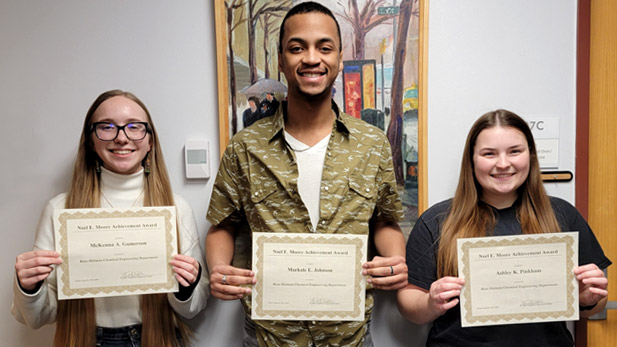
129	336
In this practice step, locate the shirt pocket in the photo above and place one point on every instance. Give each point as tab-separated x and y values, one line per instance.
261	192
265	204
364	187
360	199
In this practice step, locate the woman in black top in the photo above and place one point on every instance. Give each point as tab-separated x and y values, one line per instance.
500	192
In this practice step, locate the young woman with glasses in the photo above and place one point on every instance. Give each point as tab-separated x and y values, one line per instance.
119	164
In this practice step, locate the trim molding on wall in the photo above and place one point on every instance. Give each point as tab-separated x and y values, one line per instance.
221	72
423	109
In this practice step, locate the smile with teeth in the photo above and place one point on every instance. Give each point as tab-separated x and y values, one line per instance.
506	175
311	73
121	151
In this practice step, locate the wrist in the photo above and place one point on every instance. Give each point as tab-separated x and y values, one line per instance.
587	308
32	290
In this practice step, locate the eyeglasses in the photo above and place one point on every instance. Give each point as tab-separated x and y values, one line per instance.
106	131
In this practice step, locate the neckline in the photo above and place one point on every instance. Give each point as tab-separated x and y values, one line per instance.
118	190
298	146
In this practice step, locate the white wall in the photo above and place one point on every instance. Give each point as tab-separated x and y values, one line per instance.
490	54
57	56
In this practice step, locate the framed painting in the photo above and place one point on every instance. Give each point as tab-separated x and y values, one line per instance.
384	70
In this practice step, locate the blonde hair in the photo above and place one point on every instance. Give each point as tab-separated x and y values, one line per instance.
76	319
468	216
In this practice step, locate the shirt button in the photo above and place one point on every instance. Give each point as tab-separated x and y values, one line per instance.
326	188
368	190
256	193
323	223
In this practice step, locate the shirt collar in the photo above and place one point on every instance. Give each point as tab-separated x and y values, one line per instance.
281	112
115	183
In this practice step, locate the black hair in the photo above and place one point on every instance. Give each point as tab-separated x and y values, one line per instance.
309	7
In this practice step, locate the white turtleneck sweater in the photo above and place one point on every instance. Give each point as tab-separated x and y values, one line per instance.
38	309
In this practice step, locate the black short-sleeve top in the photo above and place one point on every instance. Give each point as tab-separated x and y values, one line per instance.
447	331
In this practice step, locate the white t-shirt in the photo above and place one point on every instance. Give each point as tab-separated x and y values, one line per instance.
310	160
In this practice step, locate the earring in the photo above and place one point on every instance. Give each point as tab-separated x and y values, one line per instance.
147	164
97	166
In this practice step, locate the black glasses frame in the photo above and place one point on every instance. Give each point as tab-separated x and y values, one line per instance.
121	127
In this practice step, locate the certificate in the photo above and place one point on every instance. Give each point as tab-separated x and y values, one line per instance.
308	276
112	251
518	279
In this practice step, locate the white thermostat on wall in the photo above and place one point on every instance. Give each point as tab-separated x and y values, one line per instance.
197	158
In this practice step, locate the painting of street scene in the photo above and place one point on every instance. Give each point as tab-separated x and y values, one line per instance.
378	84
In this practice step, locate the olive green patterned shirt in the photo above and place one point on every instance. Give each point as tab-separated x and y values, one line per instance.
256	189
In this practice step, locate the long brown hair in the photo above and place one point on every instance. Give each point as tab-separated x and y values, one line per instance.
76	319
470	217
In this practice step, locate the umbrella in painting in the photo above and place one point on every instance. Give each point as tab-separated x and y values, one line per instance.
264	85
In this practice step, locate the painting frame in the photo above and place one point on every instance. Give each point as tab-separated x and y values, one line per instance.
223	86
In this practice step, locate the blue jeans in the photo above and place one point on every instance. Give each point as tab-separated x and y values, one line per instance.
129	336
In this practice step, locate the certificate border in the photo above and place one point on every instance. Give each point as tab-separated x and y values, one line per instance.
103	213
515	240
359	289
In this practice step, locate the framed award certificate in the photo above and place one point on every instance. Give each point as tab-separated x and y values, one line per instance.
518	279
112	251
309	276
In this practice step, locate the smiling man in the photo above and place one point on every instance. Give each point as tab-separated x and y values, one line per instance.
308	169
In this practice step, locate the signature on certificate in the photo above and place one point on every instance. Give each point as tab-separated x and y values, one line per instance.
534	302
133	274
322	301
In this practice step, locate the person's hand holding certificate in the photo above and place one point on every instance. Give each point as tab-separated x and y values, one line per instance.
110	252
308	276
518	279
